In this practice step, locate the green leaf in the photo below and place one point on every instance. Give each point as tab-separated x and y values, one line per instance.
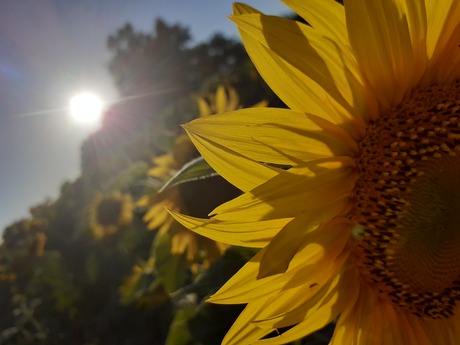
196	169
172	269
179	332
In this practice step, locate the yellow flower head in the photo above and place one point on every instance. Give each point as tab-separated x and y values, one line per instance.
196	247
363	226
109	213
183	151
218	103
28	235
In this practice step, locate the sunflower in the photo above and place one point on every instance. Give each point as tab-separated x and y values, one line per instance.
362	227
109	213
197	248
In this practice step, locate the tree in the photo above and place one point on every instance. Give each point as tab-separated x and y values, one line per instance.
149	64
157	72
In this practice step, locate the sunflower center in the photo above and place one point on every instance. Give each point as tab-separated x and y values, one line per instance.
427	252
407	203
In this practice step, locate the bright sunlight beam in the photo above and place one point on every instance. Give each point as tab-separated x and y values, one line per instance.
86	108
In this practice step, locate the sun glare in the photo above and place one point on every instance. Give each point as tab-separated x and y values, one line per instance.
86	108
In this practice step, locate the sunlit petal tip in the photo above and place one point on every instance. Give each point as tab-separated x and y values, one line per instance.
214	299
241	8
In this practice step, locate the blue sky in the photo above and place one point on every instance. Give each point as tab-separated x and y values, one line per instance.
51	49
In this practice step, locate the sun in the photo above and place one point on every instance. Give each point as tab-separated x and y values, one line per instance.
86	108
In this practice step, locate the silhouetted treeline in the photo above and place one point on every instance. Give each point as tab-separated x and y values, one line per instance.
60	283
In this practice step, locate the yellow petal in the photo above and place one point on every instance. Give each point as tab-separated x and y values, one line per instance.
256	235
292	237
327	303
292	55
325	16
240	8
165	227
314	263
221	100
242	172
179	243
380	36
415	13
443	40
442	18
278	136
143	201
342	291
162	164
413	331
308	189
233	100
203	107
155	216
292	305
242	331
372	320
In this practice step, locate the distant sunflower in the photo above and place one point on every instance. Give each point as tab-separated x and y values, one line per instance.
363	228
197	248
109	213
